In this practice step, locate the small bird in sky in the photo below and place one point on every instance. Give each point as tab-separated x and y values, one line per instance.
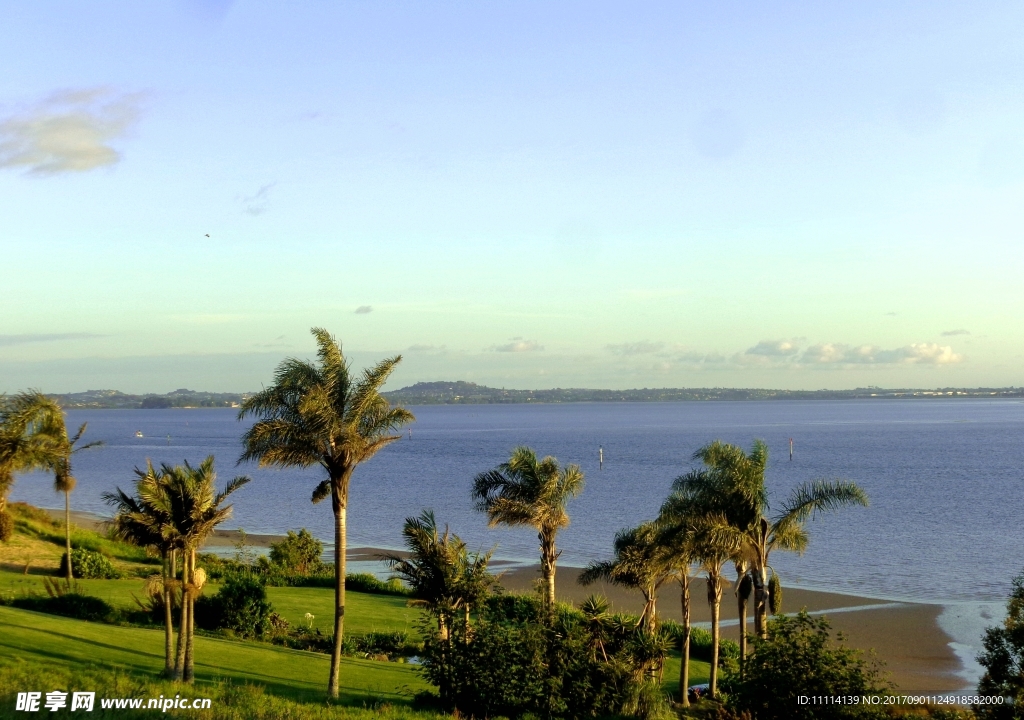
207	234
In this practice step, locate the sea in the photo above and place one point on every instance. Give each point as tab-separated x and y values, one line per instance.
945	478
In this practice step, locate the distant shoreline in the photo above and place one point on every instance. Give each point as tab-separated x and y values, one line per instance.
466	393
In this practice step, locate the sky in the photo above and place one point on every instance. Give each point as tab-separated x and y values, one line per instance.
520	194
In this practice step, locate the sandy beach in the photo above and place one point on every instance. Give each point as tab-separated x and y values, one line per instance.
906	637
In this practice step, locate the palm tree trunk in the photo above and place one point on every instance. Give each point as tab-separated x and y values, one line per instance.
168	620
67	531
548	558
760	576
190	672
684	661
715	601
179	662
340	545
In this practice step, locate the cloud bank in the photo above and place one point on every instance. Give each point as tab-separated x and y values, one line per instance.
518	345
70	131
913	354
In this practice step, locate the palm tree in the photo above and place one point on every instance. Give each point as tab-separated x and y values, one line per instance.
187	509
24	443
445	579
138	522
713	551
527	491
676	540
63	480
44	443
443	575
641	563
732	485
319	414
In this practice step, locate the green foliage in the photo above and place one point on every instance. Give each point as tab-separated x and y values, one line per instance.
298	553
509	662
367	583
241	606
1003	660
72	605
6	526
800	658
383	643
89	565
700	644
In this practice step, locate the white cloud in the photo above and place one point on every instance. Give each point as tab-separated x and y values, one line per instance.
960	331
70	131
913	354
517	345
774	348
364	310
637	348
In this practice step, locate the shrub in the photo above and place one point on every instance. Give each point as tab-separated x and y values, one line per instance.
367	583
386	643
240	606
800	658
6	527
88	565
1003	659
72	605
298	553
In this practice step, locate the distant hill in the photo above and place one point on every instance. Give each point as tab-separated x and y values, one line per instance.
182	398
467	393
458	392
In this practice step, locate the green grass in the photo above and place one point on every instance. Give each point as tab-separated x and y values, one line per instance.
699	672
363	612
294	674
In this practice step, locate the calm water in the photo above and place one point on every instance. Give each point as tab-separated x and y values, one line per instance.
946	520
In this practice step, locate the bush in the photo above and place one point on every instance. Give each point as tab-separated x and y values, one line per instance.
299	553
6	527
88	565
367	583
1003	660
72	605
241	606
800	658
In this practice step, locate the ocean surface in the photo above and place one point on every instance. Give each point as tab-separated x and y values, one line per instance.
945	479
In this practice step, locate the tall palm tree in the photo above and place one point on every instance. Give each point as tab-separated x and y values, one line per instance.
63	479
320	414
732	486
140	523
713	551
187	508
675	536
528	491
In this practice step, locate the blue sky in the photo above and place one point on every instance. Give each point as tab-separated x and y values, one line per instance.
522	194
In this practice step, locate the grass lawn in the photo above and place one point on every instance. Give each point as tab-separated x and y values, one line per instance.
288	673
363	612
699	671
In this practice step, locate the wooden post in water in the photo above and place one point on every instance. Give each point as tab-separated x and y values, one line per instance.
791	449
600	457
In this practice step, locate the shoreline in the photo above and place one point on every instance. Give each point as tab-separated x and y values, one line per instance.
927	647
